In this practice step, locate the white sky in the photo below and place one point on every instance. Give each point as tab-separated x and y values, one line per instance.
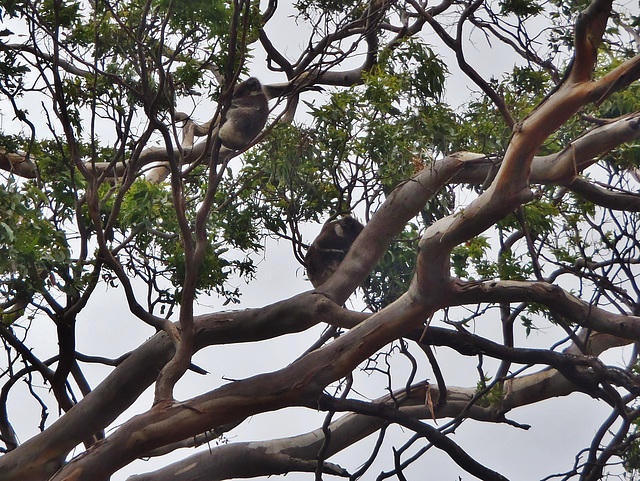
560	428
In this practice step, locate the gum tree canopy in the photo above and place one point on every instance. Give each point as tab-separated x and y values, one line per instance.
500	230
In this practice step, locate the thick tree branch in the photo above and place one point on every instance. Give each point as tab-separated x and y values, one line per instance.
18	163
404	203
228	460
589	29
511	185
557	299
623	201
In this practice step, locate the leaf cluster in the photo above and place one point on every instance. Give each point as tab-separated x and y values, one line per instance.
394	271
34	253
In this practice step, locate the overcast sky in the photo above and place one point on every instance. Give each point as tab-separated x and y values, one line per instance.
560	428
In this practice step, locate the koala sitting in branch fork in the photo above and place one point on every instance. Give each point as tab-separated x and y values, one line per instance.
245	118
329	249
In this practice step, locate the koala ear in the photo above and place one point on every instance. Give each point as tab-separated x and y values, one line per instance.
330	247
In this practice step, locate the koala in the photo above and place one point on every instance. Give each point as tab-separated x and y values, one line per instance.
330	247
247	115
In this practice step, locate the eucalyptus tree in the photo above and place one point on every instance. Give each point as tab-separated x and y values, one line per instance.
516	209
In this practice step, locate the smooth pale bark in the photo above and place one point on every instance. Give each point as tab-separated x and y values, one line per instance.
18	163
562	168
554	297
292	454
40	456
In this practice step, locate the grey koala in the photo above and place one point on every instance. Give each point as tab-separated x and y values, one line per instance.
247	115
330	247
